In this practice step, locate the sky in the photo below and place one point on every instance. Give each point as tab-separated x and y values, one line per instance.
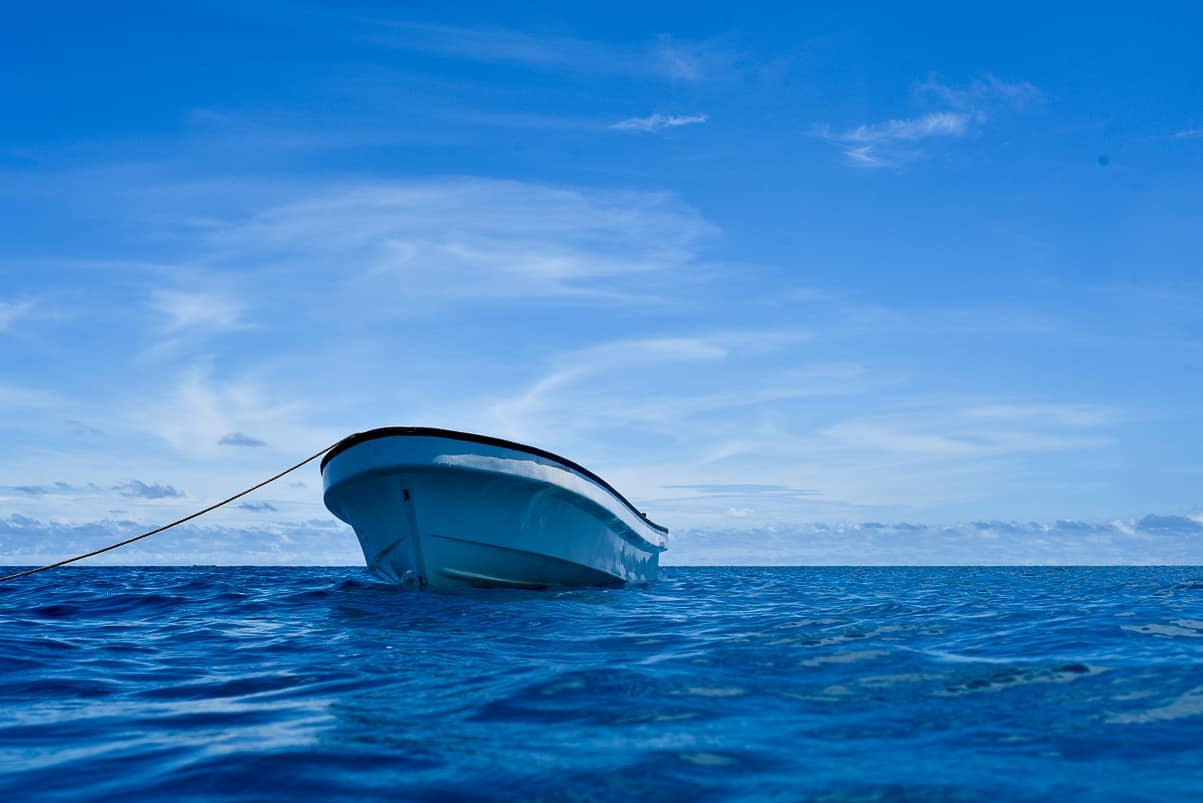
839	285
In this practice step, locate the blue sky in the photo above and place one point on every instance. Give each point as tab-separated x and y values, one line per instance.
825	286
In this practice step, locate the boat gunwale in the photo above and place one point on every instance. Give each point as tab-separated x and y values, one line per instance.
488	440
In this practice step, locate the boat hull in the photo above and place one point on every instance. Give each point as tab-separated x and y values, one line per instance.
444	509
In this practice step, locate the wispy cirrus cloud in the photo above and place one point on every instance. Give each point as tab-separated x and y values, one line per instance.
981	430
743	491
663	57
936	124
877	144
681	390
932	457
893	142
13	311
13	397
691	61
468	238
1064	415
866	156
986	90
200	416
203	310
515	413
966	110
1188	133
656	122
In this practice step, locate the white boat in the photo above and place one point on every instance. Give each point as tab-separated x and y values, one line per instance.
445	509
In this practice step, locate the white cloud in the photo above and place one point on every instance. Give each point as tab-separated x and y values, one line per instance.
663	57
1066	415
875	145
1150	540
26	540
13	311
987	430
656	122
865	435
936	124
1188	133
192	311
515	415
14	397
371	283
894	142
500	45
934	457
864	156
982	91
672	410
690	61
260	538
392	246
646	395
143	490
198	415
625	352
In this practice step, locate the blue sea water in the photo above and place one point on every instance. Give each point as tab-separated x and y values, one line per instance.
823	684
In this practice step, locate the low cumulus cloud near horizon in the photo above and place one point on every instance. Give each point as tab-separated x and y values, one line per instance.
240	439
1153	539
26	541
148	490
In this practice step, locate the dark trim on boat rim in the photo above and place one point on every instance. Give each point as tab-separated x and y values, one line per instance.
434	432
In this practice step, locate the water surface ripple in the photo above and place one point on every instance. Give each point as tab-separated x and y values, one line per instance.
822	684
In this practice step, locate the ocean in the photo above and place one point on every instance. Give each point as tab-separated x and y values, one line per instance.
816	684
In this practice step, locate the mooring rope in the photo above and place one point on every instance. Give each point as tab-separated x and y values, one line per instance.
175	523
